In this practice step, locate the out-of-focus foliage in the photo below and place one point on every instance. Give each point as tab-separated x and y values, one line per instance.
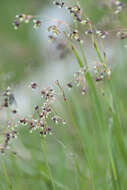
95	157
18	52
19	56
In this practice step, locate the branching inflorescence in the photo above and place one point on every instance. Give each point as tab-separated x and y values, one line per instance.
42	114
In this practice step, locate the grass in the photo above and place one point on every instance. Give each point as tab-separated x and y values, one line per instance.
92	155
89	152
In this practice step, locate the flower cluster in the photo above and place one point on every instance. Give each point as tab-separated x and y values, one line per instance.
102	33
75	36
59	4
122	35
37	23
8	136
118	7
23	18
40	119
44	116
101	70
79	80
48	94
74	10
77	13
54	30
8	100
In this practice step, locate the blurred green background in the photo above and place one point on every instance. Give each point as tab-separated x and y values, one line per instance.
19	53
20	58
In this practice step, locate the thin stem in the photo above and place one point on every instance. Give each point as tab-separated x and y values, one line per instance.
47	164
6	177
83	55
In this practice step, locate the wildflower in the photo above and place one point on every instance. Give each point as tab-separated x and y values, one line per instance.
54	30
84	22
16	24
48	94
79	78
21	17
8	137
122	35
45	131
101	33
76	10
33	85
59	4
119	7
37	23
75	35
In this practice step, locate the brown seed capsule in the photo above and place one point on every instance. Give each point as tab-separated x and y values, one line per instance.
37	23
70	85
34	85
14	111
16	24
23	121
36	108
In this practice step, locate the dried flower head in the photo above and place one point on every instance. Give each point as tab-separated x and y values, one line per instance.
54	30
118	7
48	94
16	24
33	85
22	18
122	35
75	36
59	4
37	23
101	33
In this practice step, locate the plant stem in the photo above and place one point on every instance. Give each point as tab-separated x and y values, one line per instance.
46	161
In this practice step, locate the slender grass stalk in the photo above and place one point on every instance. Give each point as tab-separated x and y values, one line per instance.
83	55
58	184
46	161
75	52
100	116
82	143
7	177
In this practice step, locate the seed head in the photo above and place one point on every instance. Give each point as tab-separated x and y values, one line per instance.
37	23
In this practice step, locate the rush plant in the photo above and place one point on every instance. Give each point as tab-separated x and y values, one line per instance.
87	145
